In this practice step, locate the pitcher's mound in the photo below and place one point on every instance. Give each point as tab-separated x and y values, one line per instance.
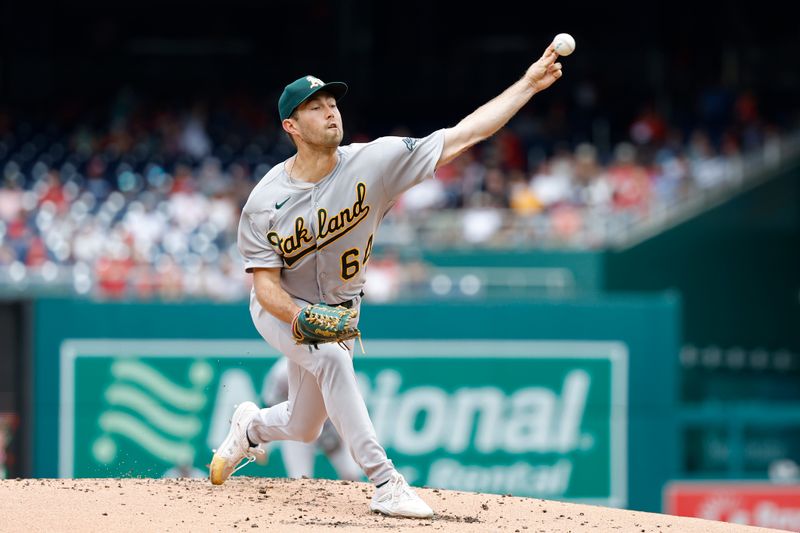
284	505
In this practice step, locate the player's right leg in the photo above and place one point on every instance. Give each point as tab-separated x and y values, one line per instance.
299	419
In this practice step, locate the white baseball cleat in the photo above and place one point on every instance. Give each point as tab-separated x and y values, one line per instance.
396	498
235	447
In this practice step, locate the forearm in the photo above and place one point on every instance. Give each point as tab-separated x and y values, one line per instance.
271	296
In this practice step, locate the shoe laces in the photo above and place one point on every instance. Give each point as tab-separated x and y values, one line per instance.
399	488
251	455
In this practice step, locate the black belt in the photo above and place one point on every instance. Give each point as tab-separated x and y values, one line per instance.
348	304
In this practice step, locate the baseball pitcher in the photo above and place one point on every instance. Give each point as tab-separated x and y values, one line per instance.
306	234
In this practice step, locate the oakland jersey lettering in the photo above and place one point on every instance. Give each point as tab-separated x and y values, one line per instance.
300	243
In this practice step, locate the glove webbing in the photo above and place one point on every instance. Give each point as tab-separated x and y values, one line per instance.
331	323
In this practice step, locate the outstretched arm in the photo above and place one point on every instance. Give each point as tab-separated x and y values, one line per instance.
490	117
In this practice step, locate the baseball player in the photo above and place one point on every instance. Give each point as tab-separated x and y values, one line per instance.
306	234
298	457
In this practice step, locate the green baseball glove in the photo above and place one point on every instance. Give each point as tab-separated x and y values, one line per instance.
321	322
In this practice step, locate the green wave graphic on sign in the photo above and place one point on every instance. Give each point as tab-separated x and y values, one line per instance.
152	411
184	426
167	391
134	429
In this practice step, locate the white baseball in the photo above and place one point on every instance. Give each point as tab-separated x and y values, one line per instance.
564	44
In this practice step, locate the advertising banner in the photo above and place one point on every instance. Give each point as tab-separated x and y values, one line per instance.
738	502
531	418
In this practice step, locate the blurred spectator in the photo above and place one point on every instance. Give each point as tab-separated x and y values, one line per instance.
495	188
383	278
194	139
522	199
50	191
629	180
649	127
552	183
481	220
11	199
566	222
707	166
506	151
427	195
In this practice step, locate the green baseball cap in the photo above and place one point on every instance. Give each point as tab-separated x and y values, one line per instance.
301	89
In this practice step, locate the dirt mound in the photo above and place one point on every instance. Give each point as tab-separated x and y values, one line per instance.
245	503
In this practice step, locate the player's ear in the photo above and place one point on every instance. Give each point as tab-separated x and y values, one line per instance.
289	126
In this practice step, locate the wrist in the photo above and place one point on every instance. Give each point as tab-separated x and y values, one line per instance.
295	315
293	323
530	84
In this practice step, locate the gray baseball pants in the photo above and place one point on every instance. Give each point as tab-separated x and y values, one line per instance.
322	384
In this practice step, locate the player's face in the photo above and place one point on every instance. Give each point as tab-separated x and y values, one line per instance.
319	121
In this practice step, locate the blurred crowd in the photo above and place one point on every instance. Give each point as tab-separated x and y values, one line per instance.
141	199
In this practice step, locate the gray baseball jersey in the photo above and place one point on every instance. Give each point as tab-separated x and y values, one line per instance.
321	234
